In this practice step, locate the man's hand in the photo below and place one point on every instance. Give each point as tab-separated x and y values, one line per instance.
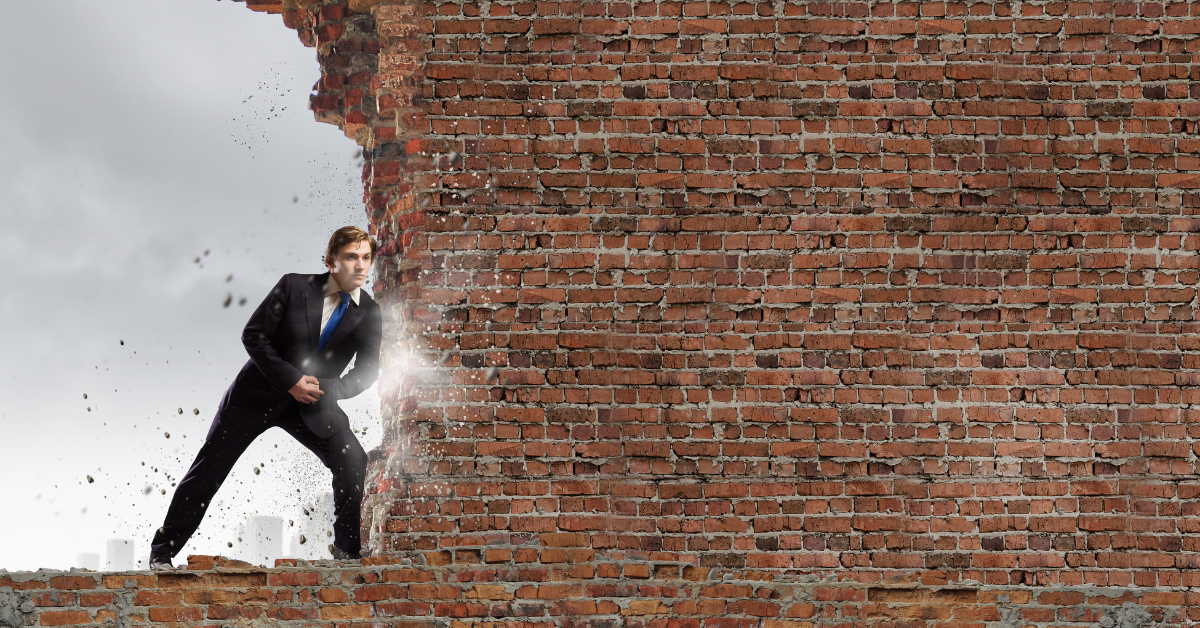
307	390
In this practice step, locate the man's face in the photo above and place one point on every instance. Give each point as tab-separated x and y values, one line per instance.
349	267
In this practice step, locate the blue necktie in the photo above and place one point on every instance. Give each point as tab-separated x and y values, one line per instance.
334	319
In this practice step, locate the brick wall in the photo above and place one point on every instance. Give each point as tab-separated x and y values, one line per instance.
794	292
865	288
552	580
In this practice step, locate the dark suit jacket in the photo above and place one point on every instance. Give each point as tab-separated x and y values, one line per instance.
281	338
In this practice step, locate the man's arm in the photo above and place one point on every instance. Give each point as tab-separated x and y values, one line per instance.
366	362
260	331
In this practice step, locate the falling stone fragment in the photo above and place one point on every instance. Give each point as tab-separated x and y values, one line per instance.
445	359
256	471
227	300
491	374
167	434
196	411
90	479
147	490
228	278
180	410
85	395
303	540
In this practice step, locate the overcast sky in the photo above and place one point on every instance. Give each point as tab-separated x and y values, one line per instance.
155	156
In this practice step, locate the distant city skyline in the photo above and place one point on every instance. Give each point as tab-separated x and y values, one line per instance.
259	540
88	560
118	555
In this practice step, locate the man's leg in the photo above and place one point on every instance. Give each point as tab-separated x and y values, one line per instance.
221	449
345	458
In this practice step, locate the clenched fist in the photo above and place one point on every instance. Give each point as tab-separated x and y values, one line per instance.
307	390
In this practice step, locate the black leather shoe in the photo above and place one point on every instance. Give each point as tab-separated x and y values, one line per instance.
160	562
341	554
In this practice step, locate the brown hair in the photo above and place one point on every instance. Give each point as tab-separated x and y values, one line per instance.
344	236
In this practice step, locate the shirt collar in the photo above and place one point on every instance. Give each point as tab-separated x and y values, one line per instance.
332	287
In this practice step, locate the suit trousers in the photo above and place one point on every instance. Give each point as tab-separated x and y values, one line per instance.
341	453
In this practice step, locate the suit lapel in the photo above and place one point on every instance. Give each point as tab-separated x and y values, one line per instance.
314	298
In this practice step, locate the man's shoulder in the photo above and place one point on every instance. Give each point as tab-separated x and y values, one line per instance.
295	279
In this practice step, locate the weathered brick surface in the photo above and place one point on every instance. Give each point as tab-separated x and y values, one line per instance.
810	287
606	588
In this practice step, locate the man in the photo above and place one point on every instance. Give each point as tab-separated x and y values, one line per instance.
300	340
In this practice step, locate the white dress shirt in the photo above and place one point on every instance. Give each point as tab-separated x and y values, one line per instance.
332	300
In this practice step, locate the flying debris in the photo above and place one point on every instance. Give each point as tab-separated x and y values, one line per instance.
491	374
167	434
256	471
228	299
445	359
303	540
228	278
295	198
147	490
90	480
196	411
180	410
242	301
85	395
122	342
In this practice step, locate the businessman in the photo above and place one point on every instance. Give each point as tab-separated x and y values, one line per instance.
300	340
